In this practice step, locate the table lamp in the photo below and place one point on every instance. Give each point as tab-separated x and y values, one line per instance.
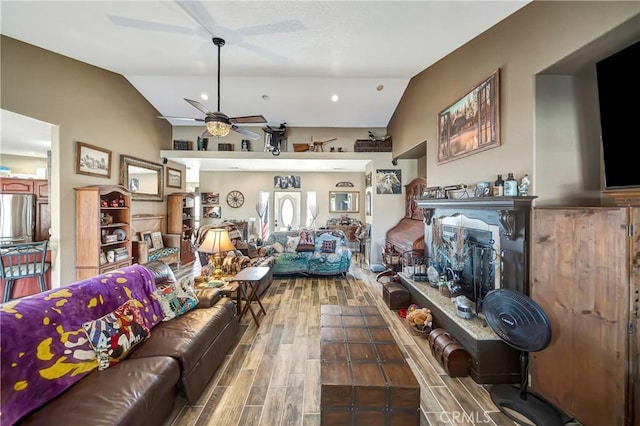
217	241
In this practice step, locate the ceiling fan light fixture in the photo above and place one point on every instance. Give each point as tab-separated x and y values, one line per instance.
217	127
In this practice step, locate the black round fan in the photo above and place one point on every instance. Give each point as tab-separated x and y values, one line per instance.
522	324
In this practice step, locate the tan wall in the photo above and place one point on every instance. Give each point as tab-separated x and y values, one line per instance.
90	105
251	183
20	165
522	46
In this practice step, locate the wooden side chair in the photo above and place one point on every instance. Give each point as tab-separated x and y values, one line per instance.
23	260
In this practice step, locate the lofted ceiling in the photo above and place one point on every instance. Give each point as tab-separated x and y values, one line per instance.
282	59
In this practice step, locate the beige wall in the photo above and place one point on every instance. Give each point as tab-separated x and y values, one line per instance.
251	183
523	45
20	165
87	104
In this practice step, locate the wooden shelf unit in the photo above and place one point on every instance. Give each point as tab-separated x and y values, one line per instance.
90	229
181	220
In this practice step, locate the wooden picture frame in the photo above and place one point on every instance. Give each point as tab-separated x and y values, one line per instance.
174	178
472	123
146	237
92	160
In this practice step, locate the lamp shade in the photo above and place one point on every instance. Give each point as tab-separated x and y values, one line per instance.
216	241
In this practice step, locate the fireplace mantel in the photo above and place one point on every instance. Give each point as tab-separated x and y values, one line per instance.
511	214
506	209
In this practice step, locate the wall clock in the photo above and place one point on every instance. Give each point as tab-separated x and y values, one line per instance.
235	199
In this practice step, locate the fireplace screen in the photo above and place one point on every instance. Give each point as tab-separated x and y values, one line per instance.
468	257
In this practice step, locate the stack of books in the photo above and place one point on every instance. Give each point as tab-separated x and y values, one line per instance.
121	253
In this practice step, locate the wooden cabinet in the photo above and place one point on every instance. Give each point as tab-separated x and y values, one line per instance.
43	212
16	186
349	231
103	225
585	277
181	214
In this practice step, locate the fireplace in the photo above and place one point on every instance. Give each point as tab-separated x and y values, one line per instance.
466	250
493	233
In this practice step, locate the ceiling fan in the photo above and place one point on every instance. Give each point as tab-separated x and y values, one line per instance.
217	123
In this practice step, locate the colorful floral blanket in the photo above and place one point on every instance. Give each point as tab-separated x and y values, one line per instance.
43	347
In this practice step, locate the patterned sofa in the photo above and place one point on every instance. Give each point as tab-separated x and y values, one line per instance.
308	251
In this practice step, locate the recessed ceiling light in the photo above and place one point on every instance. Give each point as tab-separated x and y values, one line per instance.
380	87
334	98
266	98
204	96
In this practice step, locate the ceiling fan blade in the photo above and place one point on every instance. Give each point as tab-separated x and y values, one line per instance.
199	106
246	132
248	119
168	117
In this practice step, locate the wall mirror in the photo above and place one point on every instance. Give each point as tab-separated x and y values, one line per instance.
143	178
344	202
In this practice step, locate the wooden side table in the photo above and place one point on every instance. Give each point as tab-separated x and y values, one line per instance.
249	280
228	290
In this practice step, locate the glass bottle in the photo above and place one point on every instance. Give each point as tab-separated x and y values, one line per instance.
510	186
498	187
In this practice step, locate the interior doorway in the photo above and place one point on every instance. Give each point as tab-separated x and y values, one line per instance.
286	210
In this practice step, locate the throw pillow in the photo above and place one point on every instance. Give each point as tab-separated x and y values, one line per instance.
292	244
156	237
115	334
277	247
306	241
328	246
176	298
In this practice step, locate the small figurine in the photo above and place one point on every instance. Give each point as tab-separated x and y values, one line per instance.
523	188
114	202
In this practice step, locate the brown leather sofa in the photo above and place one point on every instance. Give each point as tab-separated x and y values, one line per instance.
181	355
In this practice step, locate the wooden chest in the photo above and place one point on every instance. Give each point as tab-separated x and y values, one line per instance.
454	358
364	376
395	295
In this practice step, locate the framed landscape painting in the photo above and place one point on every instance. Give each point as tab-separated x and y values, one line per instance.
92	160
174	178
472	123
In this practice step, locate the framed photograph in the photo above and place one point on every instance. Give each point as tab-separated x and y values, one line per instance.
214	212
146	237
212	198
367	180
472	123
103	258
92	160
174	178
388	181
286	182
367	203
156	240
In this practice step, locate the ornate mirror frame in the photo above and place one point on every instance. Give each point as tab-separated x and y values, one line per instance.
126	163
353	198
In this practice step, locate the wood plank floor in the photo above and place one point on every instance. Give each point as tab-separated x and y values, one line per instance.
272	374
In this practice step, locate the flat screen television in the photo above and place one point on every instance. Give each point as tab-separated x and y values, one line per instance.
618	79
